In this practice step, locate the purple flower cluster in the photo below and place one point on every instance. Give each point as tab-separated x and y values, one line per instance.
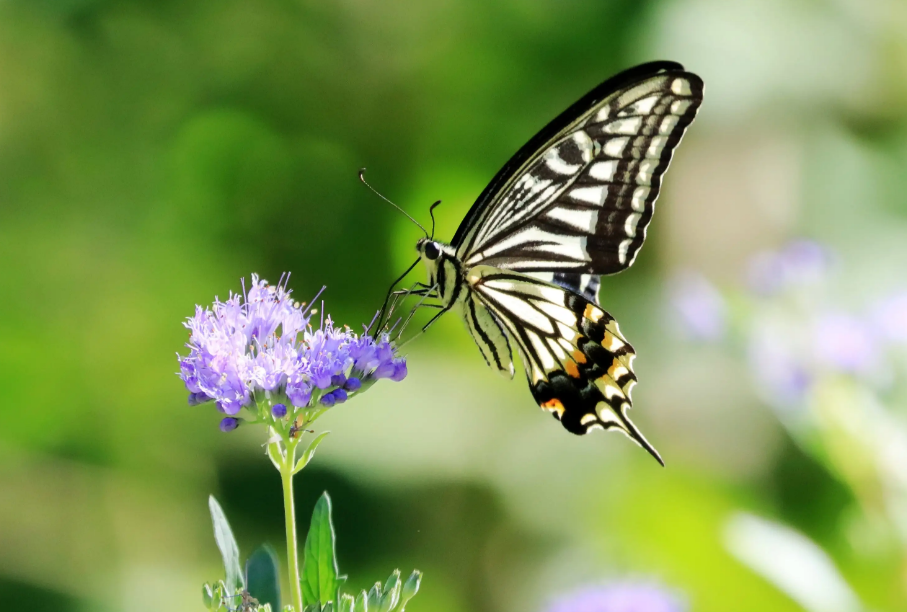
261	341
619	597
794	337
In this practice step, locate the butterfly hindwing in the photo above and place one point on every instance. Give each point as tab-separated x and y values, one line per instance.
580	195
579	366
489	335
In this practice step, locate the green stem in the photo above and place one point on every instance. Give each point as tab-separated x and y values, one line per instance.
286	475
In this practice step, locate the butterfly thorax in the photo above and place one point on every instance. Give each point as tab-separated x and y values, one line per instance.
445	270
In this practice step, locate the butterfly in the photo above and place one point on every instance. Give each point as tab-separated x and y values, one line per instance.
573	204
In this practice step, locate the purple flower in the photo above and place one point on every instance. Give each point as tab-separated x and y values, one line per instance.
385	370
377	359
619	597
780	363
699	306
260	341
399	370
799	262
889	318
845	343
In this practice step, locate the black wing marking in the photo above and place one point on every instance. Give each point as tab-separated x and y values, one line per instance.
586	285
579	196
578	364
489	335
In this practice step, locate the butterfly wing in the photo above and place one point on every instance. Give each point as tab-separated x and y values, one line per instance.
579	195
579	366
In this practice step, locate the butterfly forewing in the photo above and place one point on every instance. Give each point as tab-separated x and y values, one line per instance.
579	366
581	203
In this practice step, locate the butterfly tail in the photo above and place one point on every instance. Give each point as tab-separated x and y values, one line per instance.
627	426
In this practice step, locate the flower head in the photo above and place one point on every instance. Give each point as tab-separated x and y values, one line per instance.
258	349
619	597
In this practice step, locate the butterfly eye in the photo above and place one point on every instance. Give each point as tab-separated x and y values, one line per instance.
431	250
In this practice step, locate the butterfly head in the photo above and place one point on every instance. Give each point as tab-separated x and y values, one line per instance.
440	262
428	249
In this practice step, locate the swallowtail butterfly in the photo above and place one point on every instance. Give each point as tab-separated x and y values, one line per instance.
573	204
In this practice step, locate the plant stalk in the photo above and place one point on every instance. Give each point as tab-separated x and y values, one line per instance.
289	507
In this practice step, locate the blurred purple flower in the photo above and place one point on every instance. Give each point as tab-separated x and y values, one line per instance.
699	306
889	318
845	343
619	597
799	262
261	341
782	375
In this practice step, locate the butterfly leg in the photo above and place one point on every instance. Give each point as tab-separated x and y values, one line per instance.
418	289
426	294
442	309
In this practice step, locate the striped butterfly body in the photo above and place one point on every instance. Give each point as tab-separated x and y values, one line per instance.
573	204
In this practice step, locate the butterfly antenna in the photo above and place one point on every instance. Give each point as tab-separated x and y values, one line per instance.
431	211
375	191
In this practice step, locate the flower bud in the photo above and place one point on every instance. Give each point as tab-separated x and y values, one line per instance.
229	424
327	400
340	395
353	384
337	380
278	411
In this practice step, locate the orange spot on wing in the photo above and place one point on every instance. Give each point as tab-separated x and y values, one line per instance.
554	405
579	356
593	313
571	369
617	369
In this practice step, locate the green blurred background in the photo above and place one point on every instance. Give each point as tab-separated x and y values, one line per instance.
153	153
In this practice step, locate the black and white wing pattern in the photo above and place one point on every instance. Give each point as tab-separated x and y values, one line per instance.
579	366
577	198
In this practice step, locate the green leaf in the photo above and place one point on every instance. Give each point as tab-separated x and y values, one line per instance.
361	603
374	596
262	576
309	452
410	588
319	571
223	535
391	593
207	595
346	603
275	455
